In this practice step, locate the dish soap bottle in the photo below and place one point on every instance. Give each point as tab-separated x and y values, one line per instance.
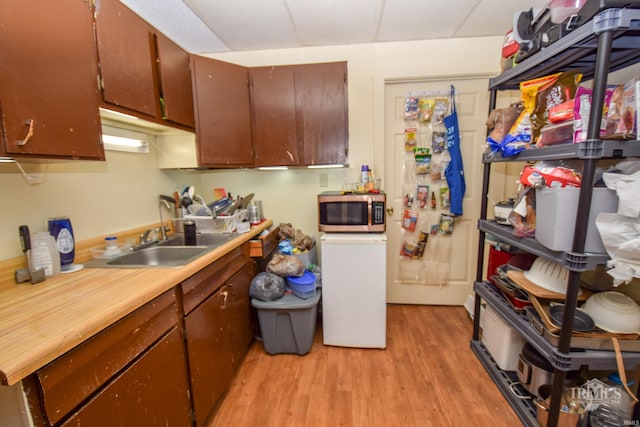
44	254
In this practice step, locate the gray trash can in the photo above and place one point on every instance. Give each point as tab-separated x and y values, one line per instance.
288	324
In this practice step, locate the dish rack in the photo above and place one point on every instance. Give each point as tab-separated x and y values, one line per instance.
221	224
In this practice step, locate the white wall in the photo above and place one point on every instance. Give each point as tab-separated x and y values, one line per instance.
121	193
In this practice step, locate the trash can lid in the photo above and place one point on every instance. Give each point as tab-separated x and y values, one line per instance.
288	301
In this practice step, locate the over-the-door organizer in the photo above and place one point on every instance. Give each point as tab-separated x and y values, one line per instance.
426	219
606	43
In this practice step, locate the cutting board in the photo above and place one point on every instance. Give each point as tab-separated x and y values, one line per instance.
538	291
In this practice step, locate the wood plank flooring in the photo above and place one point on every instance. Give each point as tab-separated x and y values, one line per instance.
427	376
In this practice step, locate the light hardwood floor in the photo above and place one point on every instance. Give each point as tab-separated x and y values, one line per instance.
427	376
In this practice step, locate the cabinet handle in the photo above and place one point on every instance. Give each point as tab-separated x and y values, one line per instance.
31	124
290	155
225	294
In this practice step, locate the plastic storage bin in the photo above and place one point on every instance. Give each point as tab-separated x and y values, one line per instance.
503	342
288	325
556	217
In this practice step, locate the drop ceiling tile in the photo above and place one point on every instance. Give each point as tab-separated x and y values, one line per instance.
416	20
333	22
248	24
495	17
179	23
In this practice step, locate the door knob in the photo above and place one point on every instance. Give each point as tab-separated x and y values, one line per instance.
390	210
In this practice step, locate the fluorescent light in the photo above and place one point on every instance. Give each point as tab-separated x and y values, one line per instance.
325	166
273	168
122	142
118	139
7	160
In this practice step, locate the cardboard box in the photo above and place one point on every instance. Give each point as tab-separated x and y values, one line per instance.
556	210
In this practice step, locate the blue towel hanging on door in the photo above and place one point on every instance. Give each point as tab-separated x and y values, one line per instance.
454	171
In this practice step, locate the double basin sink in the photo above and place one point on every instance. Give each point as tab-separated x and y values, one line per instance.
165	253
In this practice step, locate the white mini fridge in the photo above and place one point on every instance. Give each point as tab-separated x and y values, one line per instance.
354	291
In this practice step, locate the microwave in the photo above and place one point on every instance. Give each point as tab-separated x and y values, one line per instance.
351	212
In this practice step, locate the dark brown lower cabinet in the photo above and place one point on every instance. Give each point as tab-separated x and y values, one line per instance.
134	373
152	392
167	363
219	332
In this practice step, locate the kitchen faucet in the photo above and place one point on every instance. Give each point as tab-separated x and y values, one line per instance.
163	230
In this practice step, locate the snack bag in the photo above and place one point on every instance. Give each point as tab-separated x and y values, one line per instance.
555	92
582	110
520	134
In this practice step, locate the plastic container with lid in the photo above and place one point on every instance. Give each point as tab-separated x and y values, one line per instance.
303	286
558	133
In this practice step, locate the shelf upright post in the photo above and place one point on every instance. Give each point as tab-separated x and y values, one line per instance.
605	39
481	235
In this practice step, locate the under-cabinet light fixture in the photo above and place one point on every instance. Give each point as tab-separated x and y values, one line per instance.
325	166
273	168
117	139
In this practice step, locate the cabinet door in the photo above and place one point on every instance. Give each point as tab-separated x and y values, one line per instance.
209	352
153	391
175	82
274	116
321	93
48	80
223	113
240	316
125	46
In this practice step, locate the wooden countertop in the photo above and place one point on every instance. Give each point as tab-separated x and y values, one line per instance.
40	322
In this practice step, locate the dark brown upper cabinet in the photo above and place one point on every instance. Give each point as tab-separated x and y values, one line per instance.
176	92
142	72
49	95
273	98
223	113
321	95
300	114
125	51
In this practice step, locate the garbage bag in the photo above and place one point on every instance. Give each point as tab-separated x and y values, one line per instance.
267	287
285	266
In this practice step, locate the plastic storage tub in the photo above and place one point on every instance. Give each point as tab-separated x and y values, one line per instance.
556	217
288	325
303	286
503	342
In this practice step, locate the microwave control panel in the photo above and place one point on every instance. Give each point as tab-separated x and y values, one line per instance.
378	212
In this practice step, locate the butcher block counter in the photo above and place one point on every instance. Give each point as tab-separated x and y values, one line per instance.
41	322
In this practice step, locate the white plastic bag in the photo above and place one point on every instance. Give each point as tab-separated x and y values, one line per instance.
627	187
621	238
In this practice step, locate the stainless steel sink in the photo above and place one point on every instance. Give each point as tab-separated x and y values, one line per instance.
167	253
211	240
160	256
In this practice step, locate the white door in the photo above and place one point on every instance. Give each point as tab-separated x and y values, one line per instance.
445	273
